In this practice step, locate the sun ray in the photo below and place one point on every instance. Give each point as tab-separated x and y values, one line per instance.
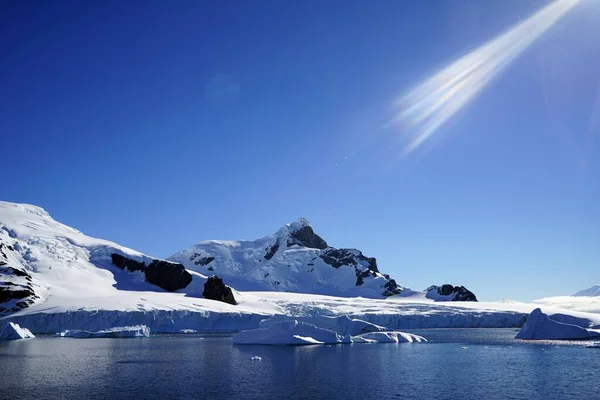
427	107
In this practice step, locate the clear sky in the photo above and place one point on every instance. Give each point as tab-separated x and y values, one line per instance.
159	124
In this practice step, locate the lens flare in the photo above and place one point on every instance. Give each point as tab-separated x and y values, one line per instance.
427	107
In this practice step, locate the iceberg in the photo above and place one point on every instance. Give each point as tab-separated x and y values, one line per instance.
387	337
12	331
342	325
289	332
281	330
540	326
118	332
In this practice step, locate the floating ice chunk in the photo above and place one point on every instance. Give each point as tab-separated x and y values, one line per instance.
117	332
12	331
540	326
281	330
342	325
387	337
290	332
256	358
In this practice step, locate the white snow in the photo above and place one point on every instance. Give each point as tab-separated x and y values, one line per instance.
540	326
12	331
117	332
588	304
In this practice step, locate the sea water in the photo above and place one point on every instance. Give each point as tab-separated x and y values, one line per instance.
454	364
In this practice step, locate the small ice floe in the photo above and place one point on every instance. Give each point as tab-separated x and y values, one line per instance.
256	358
464	347
117	332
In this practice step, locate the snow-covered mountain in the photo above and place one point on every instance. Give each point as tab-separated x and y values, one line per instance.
42	258
592	291
53	277
294	259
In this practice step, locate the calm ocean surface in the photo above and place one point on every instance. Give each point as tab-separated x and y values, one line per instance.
455	364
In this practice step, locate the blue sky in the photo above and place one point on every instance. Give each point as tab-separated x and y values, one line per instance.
160	124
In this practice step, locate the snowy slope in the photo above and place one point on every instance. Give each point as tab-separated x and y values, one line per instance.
294	259
41	259
593	291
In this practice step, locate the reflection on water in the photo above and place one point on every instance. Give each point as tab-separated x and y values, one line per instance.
469	364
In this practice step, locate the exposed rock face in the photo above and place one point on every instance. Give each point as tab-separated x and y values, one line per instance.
199	260
271	250
127	263
448	292
164	274
339	257
361	275
16	285
306	237
391	287
215	289
167	275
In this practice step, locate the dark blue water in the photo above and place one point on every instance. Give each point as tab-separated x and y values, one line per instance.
455	364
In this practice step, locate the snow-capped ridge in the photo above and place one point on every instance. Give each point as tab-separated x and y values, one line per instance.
299	224
40	257
294	259
591	292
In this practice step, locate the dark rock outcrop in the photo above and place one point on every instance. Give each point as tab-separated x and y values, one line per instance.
456	293
271	250
15	296
306	237
167	275
164	274
202	261
339	257
361	275
127	263
215	289
391	287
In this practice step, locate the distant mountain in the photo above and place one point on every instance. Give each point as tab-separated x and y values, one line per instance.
448	292
294	259
593	291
